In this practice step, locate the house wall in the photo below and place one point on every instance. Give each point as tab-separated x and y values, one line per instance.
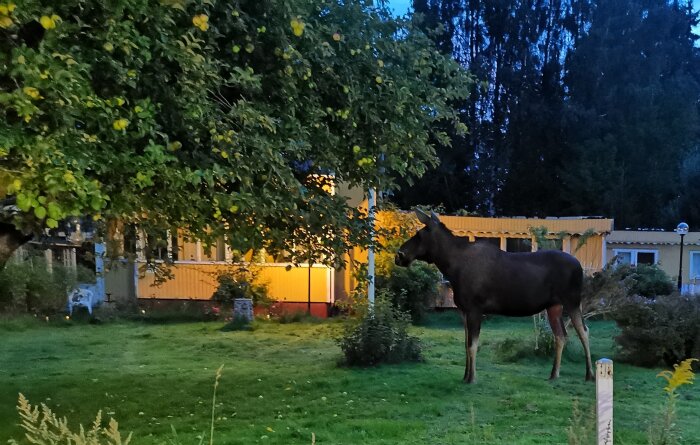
194	276
667	244
197	281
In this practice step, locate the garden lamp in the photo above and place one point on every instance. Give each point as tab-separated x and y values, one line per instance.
682	230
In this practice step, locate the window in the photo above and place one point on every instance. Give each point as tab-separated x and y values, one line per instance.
695	265
518	245
488	239
636	256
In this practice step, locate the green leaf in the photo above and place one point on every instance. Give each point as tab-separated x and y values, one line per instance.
54	211
24	203
96	203
40	212
51	223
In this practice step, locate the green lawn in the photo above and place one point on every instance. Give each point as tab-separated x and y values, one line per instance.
281	383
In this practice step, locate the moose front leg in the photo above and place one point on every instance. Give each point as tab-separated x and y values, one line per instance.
466	344
472	329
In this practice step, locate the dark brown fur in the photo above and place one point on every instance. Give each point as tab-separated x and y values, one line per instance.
486	280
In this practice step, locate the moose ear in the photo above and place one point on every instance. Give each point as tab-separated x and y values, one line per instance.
434	218
423	217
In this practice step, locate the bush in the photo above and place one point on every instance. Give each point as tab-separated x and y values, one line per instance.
663	329
411	289
647	280
380	336
28	286
605	290
241	283
355	304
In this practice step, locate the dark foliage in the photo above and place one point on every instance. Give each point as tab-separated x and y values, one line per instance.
27	285
241	283
605	290
647	280
184	312
665	329
380	336
411	289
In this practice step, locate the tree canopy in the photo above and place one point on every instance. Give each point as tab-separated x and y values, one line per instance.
220	118
579	107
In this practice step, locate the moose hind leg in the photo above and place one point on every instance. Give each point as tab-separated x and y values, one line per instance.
582	332
554	314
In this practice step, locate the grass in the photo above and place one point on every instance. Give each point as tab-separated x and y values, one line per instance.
281	383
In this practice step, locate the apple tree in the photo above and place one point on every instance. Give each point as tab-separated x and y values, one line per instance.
216	117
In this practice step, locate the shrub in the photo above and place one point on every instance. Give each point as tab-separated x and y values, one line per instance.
608	288
411	289
653	330
647	280
355	304
380	336
241	283
28	285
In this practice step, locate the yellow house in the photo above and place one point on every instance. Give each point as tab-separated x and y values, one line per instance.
662	248
194	268
583	237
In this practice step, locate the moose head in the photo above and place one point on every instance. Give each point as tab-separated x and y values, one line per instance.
418	247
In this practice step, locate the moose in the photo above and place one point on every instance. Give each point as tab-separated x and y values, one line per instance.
486	280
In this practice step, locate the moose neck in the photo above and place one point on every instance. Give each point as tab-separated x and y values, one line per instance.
441	252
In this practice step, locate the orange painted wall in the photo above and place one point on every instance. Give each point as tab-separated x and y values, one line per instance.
197	281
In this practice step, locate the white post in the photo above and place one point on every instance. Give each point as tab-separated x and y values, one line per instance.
228	252
169	245
140	245
48	255
99	270
198	251
372	203
566	244
604	400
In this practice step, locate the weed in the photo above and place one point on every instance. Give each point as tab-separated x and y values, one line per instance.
42	427
664	431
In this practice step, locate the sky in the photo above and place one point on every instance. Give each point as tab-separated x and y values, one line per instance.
400	7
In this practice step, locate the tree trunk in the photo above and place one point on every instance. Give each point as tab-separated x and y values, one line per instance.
10	240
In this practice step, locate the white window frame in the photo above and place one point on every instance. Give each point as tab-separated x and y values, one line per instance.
633	254
692	273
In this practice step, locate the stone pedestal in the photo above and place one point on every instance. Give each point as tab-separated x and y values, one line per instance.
243	308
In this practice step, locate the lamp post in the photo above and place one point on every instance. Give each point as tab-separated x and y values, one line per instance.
682	230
